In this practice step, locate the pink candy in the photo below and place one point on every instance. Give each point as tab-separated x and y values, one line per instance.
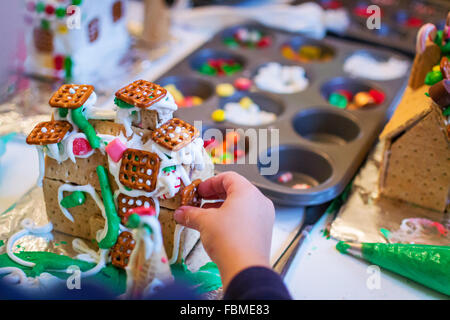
115	149
285	177
243	84
81	147
427	31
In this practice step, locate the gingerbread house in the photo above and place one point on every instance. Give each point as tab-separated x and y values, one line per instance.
96	172
416	162
75	39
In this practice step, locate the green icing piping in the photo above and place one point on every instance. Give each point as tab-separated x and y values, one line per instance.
76	198
112	219
109	277
80	120
425	264
207	278
122	104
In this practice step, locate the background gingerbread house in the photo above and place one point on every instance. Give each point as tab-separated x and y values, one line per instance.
59	45
416	162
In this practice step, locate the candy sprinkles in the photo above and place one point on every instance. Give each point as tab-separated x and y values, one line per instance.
138	170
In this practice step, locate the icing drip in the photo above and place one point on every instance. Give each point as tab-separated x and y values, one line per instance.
176	243
41	156
125	117
86	188
165	108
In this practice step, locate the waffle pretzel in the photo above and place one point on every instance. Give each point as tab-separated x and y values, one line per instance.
141	93
125	203
175	134
190	196
121	251
139	169
49	132
71	96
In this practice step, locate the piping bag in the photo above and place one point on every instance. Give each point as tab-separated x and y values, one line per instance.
426	264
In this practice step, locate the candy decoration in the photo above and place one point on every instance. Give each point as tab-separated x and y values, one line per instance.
245	102
338	100
63	112
414	22
76	198
301	186
112	219
218	115
81	147
285	177
426	32
40	7
224	90
68	64
86	127
345	93
377	96
440	93
444	67
363	99
209	142
49	9
45	24
220	67
242	84
264	42
433	77
58	61
60	12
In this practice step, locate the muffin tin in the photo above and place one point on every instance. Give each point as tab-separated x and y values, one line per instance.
400	20
321	145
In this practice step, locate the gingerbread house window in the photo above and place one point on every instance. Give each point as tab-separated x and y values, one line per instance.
43	40
93	29
117	11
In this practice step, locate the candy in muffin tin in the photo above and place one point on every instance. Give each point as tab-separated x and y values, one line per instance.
400	20
321	145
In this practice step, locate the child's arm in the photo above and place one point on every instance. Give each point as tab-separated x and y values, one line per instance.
237	233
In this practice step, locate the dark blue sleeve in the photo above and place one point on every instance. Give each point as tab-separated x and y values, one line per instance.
257	283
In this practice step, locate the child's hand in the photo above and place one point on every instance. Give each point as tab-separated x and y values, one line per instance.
237	233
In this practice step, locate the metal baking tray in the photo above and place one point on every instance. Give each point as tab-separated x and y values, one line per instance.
322	144
394	32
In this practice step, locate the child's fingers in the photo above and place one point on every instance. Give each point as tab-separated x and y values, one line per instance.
220	186
190	217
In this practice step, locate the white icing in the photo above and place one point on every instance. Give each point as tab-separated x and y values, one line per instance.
41	156
15	276
176	243
278	78
86	188
251	116
365	66
153	287
29	228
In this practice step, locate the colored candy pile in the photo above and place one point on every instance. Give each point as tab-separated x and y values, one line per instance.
181	100
227	151
220	67
287	177
306	53
245	112
277	78
248	38
345	99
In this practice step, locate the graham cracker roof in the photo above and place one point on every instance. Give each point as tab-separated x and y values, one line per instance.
413	106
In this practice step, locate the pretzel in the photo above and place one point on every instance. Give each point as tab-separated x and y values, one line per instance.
43	40
125	203
71	96
121	251
141	93
190	196
139	169
175	134
49	132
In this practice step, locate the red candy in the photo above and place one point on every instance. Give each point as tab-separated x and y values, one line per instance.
58	61
414	22
49	9
81	147
346	94
378	96
285	177
243	84
264	42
